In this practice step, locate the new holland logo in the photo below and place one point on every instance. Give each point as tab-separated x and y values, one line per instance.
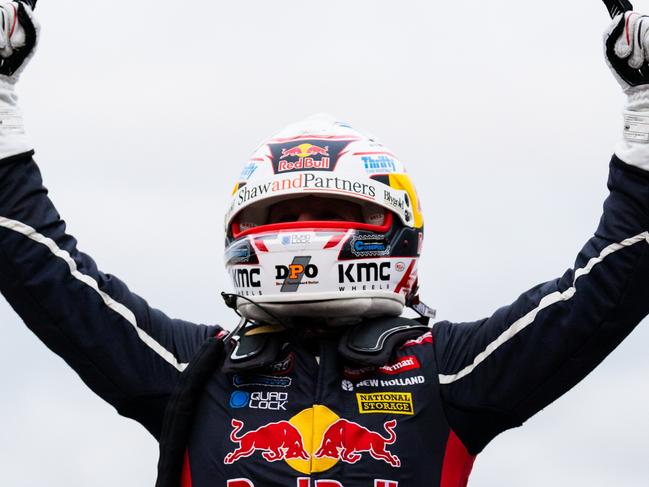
385	402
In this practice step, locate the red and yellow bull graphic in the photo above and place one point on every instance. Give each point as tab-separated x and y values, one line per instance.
313	441
306	482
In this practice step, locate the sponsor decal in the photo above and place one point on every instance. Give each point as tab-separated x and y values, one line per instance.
425	338
239	399
276	441
306	482
385	402
270	400
399	266
307	155
400	203
364	272
348	440
379	164
282	367
369	246
243	277
347	385
402	365
248	170
241	380
292	274
313	441
401	381
305	181
296	239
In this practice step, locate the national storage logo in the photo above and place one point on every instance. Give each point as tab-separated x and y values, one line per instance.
385	402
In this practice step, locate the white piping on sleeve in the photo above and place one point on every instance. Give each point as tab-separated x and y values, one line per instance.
118	308
548	300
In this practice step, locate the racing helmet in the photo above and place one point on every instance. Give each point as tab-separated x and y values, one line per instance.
341	271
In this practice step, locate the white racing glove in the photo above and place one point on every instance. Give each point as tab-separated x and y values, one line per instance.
626	45
18	39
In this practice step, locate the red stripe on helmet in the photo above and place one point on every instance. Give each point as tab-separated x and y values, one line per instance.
333	241
405	278
261	245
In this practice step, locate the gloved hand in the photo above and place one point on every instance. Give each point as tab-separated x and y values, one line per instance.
18	38
626	44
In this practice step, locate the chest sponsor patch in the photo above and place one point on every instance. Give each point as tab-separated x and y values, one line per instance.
399	382
402	365
241	380
385	402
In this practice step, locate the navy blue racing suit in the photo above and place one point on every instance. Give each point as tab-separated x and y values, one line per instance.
310	419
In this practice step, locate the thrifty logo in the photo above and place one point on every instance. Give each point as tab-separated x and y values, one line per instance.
385	402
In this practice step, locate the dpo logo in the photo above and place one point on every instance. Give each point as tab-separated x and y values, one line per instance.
293	273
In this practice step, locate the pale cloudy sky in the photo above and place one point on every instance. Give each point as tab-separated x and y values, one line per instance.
142	112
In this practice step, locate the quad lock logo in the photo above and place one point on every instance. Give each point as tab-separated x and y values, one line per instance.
270	400
307	155
293	274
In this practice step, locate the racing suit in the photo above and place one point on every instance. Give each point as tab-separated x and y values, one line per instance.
309	419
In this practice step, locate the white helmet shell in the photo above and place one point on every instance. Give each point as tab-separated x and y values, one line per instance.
340	271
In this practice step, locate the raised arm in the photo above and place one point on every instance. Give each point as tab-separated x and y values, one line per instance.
128	353
497	372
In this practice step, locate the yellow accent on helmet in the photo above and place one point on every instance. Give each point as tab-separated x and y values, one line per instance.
403	182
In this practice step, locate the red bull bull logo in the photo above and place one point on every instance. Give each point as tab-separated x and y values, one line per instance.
307	155
348	440
314	440
304	157
306	482
275	441
305	150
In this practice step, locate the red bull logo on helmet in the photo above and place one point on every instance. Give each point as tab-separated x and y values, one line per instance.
306	155
314	440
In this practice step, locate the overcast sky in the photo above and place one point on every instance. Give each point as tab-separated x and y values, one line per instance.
142	113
